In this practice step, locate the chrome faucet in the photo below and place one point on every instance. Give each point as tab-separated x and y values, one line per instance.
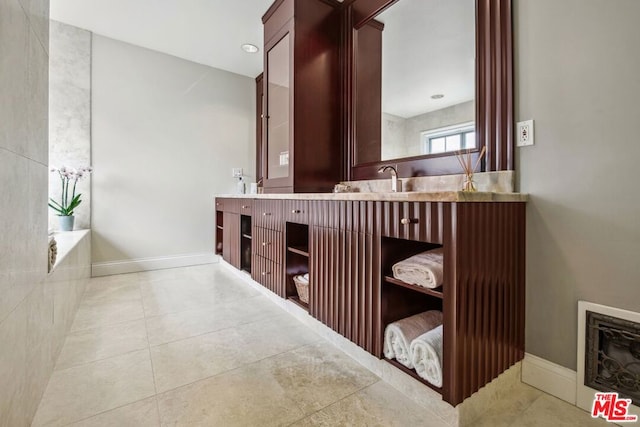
396	184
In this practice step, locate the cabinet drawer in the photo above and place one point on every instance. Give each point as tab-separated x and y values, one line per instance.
421	221
297	211
245	206
219	204
268	273
268	214
268	244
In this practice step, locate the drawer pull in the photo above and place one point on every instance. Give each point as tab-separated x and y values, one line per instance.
407	221
266	214
245	207
264	273
266	243
296	211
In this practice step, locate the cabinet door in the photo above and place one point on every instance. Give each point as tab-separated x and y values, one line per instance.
231	239
345	288
279	99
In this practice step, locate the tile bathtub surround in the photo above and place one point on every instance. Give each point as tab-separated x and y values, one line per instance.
241	360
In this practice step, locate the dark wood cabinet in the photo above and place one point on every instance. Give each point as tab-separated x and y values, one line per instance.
348	248
301	151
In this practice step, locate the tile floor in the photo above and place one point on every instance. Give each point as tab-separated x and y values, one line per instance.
197	346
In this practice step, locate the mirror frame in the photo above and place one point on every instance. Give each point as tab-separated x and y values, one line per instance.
494	93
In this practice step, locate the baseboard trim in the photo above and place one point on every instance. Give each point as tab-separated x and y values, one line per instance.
549	377
147	264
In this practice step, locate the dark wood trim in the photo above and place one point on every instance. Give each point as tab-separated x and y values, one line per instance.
276	4
366	10
494	93
494	82
259	127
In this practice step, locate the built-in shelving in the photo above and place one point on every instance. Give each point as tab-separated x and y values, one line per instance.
245	243
437	292
413	373
297	259
300	250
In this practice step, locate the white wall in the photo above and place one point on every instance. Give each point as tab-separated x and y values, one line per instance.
578	75
70	113
166	133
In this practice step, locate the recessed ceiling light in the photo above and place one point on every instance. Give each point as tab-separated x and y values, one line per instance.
250	48
437	96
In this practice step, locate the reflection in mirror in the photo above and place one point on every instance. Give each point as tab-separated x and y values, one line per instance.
278	110
428	77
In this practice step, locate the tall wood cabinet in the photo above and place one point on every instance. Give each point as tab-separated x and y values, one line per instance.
301	150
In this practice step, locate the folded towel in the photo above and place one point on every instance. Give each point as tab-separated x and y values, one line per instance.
426	356
424	269
399	335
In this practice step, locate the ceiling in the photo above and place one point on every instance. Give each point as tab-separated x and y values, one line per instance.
208	32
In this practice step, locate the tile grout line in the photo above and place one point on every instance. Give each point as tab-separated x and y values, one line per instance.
153	372
107	410
337	401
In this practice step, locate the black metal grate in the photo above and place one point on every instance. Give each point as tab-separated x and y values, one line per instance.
613	355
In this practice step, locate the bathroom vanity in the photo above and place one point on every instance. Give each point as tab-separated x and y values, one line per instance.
348	243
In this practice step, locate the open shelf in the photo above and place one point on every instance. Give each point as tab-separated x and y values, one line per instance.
299	303
437	292
219	227
413	373
246	236
300	250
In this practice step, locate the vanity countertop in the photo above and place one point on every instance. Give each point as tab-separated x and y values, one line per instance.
412	196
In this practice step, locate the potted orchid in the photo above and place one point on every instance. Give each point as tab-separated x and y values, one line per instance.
69	178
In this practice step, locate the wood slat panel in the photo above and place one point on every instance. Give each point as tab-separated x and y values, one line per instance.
484	294
268	274
268	244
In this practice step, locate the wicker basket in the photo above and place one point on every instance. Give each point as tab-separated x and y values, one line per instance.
302	288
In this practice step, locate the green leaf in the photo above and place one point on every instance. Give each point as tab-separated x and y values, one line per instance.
55	208
56	203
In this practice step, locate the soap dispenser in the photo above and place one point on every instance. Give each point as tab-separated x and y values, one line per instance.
241	186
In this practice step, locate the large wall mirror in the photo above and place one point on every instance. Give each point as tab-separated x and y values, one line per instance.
421	90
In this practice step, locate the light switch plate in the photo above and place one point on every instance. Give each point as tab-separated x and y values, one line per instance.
525	133
236	172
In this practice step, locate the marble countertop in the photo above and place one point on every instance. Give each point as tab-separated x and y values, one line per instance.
413	196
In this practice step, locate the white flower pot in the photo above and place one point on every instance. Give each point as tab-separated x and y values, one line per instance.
66	222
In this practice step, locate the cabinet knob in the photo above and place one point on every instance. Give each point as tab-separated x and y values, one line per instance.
264	273
266	243
245	207
407	221
266	214
296	211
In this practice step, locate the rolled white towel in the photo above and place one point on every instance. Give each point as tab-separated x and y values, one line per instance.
424	269
399	335
426	356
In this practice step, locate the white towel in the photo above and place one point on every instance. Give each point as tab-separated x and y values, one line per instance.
426	356
424	269
399	335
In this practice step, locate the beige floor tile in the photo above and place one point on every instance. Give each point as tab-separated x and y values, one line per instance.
111	291
550	411
104	313
172	296
186	361
186	324
235	398
89	345
505	411
77	393
139	414
377	405
275	335
315	376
